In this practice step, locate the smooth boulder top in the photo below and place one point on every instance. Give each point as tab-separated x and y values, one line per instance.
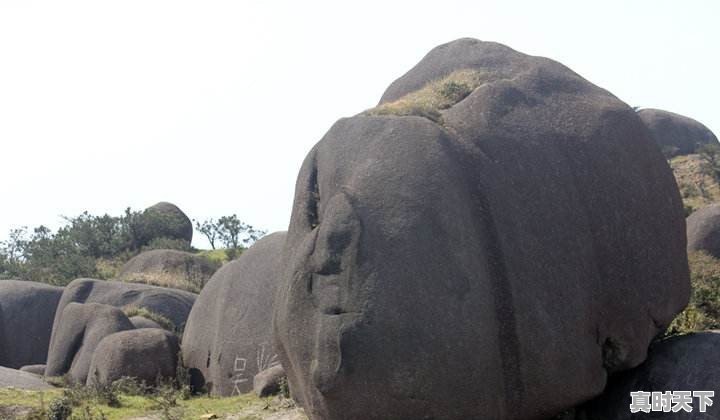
228	337
142	322
34	369
498	263
22	380
27	310
689	362
703	230
77	335
146	354
171	303
676	132
169	267
166	220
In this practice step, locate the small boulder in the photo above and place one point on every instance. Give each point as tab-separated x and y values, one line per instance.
165	220
689	362
675	133
34	369
22	380
268	381
169	268
145	354
228	338
703	230
27	310
172	304
78	334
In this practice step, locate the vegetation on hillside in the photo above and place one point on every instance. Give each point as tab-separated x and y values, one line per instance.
703	311
97	246
698	177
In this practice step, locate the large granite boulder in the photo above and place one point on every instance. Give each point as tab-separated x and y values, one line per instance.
170	303
228	337
169	268
494	256
146	354
703	230
675	133
27	310
686	363
165	220
77	335
34	369
21	380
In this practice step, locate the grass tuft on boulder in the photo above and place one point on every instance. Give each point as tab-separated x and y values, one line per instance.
436	96
131	311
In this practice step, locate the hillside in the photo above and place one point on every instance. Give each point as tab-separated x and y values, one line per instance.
697	188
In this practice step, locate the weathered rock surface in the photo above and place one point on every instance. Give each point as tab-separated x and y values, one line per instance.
173	304
34	369
77	335
27	310
166	220
142	322
145	354
497	263
228	338
22	380
268	382
676	134
169	268
690	362
703	230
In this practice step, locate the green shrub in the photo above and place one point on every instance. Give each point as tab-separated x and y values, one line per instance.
703	311
60	408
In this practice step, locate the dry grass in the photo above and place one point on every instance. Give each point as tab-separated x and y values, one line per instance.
697	189
131	311
703	311
436	96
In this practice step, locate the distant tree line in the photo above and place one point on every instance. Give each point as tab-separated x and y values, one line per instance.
85	245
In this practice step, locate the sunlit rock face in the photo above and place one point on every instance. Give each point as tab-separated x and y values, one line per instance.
494	258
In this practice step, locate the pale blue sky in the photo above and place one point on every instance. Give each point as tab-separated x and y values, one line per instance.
213	105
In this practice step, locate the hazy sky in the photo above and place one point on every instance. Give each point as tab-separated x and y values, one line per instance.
213	105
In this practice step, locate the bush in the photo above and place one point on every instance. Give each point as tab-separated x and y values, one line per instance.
60	409
703	311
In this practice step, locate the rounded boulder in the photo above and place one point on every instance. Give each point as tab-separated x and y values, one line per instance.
27	310
228	337
169	268
146	354
492	240
676	134
78	334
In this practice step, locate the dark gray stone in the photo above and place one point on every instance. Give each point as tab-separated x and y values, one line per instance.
497	265
268	382
145	354
22	380
703	230
169	268
34	369
173	304
165	220
686	363
77	335
228	338
675	133
27	310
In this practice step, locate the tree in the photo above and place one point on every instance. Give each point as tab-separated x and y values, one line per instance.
233	232
209	228
710	154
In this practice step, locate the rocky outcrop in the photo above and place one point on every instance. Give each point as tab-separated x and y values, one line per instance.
491	241
228	338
